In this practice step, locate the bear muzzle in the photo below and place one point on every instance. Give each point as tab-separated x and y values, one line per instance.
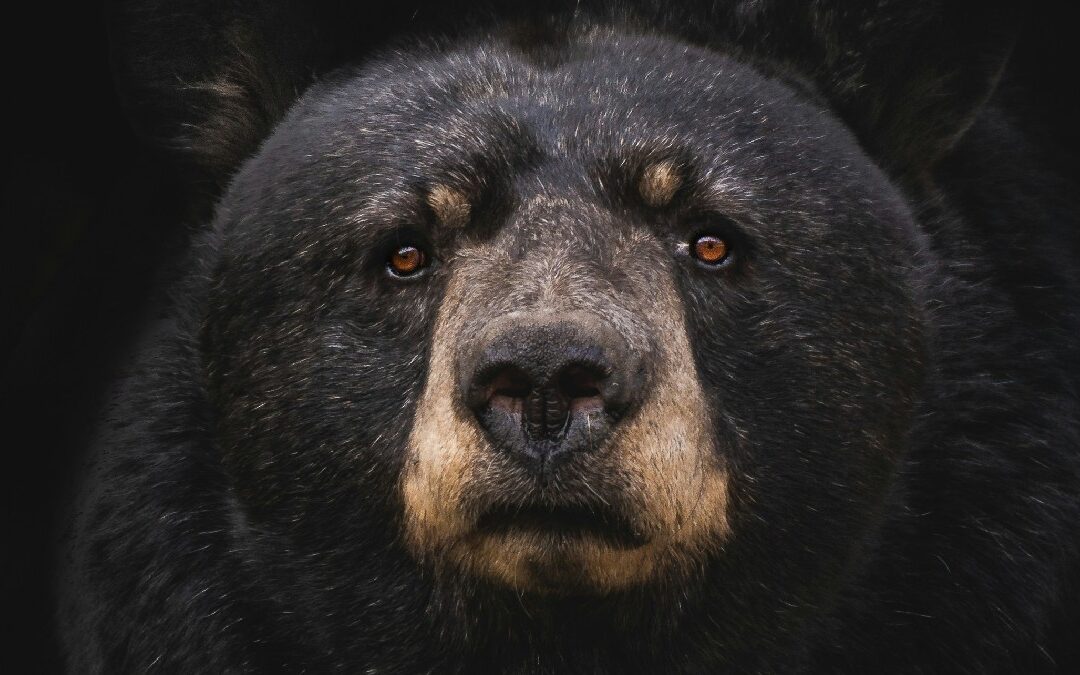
563	442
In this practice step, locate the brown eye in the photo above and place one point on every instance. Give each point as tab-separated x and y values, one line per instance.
709	249
407	260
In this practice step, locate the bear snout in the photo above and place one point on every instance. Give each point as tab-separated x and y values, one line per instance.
545	388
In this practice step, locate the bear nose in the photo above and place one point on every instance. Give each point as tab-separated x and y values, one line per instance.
544	390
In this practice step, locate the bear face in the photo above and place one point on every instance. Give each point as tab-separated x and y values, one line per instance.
616	340
554	224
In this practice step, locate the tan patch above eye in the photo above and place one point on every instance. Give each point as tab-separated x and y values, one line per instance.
659	183
451	207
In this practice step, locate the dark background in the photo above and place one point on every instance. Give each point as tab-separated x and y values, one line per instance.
92	220
90	216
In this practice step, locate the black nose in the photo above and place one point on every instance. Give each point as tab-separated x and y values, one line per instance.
544	390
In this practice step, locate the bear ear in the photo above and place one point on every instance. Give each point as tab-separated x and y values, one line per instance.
208	79
909	76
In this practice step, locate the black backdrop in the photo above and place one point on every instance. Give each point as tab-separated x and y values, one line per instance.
92	218
89	218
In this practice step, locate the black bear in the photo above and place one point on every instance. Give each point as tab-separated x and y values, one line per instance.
592	337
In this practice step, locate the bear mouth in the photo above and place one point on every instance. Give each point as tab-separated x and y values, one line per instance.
561	522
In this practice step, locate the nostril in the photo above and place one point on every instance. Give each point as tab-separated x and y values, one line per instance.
580	382
580	385
508	390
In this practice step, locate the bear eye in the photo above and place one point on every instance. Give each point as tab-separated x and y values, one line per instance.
710	249
406	261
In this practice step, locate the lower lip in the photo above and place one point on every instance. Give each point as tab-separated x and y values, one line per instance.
560	526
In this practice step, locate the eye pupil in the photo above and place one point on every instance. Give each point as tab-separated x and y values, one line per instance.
407	260
710	249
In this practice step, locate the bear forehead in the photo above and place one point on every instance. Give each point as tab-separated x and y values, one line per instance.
594	92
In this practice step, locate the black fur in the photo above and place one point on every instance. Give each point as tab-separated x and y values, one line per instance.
894	358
